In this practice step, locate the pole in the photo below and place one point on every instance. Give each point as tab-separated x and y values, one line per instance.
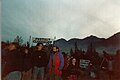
54	40
102	62
29	41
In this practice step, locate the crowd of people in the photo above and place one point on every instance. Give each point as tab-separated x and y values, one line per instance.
38	63
24	63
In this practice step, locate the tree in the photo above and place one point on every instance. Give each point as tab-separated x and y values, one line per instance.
18	40
7	41
71	52
76	48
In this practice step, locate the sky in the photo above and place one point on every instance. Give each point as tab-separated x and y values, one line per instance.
61	18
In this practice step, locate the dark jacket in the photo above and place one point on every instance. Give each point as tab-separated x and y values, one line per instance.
13	61
27	62
73	70
40	58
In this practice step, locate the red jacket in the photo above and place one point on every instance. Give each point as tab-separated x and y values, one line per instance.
58	64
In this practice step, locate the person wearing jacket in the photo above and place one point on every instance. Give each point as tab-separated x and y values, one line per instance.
73	70
40	62
27	64
13	64
56	64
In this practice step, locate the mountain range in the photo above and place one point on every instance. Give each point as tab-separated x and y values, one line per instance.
110	45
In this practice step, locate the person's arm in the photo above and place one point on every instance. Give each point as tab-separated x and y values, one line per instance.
61	61
49	62
45	59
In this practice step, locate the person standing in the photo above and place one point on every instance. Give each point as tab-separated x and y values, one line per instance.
56	64
4	50
40	62
73	70
110	68
13	64
27	64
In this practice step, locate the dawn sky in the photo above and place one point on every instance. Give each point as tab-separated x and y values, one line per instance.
61	18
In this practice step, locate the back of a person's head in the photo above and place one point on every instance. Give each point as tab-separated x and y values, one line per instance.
16	44
23	48
3	44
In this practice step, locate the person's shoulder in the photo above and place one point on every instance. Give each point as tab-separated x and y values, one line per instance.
60	53
42	51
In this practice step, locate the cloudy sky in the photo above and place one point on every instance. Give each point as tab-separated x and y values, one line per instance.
60	18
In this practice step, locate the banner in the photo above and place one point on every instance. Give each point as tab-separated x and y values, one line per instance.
84	63
41	40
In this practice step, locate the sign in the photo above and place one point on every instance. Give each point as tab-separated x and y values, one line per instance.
84	63
41	40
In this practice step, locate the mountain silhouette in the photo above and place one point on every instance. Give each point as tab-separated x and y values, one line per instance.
110	44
